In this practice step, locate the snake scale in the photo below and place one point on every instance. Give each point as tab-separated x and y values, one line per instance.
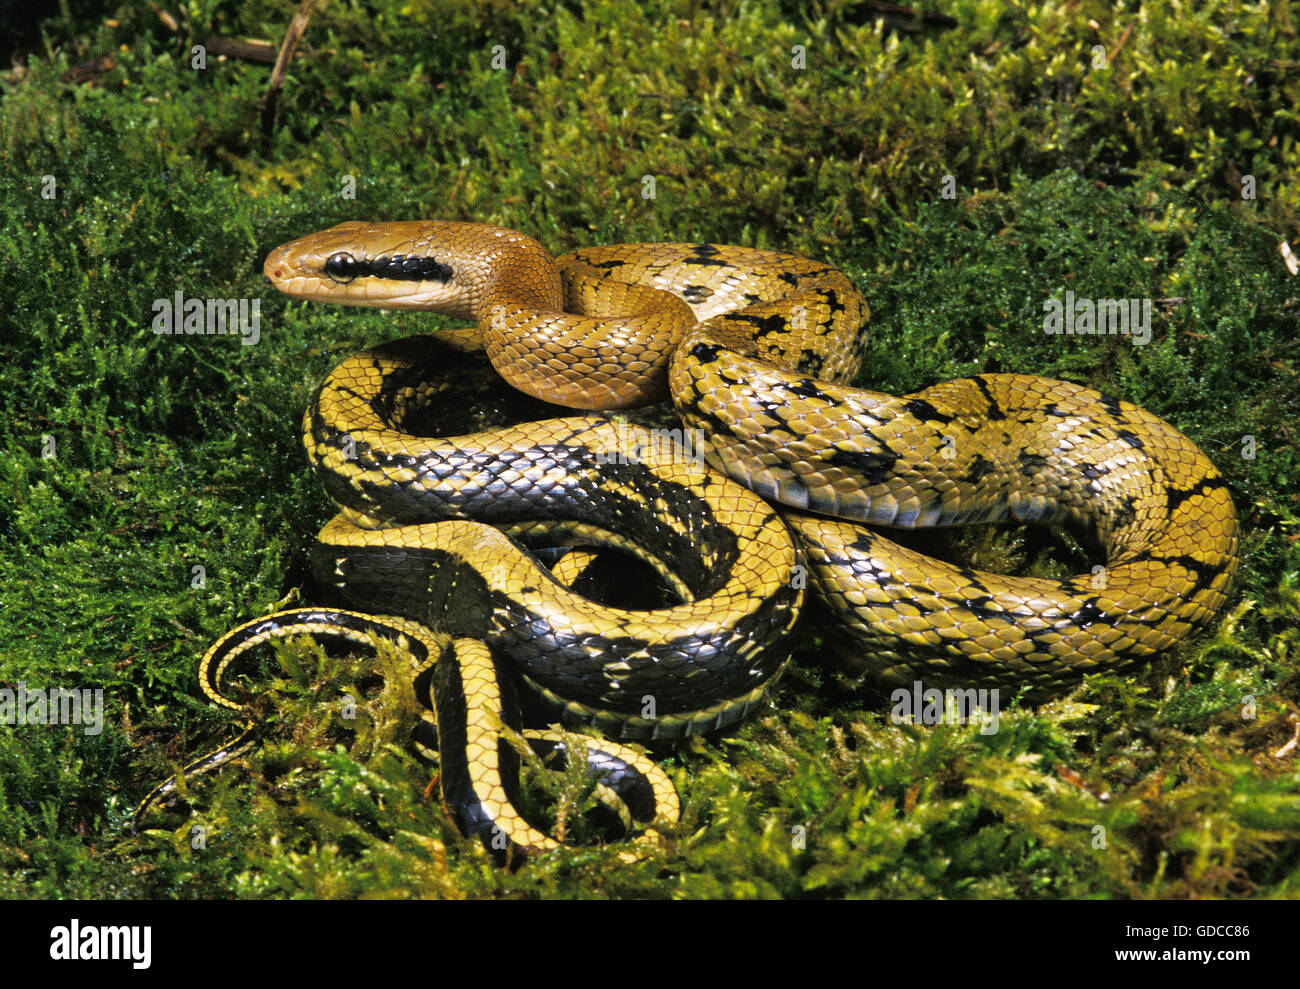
756	351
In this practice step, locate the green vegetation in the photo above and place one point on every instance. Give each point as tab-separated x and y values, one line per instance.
132	458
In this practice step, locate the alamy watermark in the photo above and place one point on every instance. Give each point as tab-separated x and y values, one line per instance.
209	317
56	706
133	943
1077	315
931	706
636	444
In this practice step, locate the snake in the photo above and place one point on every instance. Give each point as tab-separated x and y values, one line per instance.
771	488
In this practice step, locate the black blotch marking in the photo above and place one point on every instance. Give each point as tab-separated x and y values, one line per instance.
1179	495
763	325
873	466
715	425
352	392
1068	586
1132	439
982	608
1089	614
1111	404
706	353
775	411
697	293
1032	464
807	388
810	362
1126	513
1205	572
980	467
864	542
995	410
705	255
920	409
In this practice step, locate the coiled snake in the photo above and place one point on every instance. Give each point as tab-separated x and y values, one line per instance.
755	350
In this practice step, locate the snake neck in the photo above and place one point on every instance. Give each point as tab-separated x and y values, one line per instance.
514	271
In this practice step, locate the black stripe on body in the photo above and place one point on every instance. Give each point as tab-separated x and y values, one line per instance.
1206	484
994	410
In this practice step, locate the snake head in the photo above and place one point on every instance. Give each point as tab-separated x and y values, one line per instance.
435	265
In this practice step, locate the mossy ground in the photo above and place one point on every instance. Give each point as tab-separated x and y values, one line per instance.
133	458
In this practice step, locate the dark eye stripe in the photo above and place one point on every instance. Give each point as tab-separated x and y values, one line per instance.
343	267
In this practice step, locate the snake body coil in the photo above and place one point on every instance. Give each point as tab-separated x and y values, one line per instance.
756	350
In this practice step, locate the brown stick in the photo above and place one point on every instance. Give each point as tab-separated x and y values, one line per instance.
1120	44
272	98
249	51
165	17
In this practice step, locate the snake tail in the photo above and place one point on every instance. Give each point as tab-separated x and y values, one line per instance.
321	623
478	722
469	708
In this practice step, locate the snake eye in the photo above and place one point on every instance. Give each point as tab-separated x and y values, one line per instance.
342	267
